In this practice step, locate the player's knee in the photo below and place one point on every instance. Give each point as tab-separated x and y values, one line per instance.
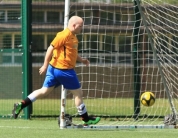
77	93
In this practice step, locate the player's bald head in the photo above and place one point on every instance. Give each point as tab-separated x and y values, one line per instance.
75	19
75	24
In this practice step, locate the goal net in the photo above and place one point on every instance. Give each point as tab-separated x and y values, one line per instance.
132	47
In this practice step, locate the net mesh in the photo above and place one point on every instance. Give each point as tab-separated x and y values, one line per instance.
108	42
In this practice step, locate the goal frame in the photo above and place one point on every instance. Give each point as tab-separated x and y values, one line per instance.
136	77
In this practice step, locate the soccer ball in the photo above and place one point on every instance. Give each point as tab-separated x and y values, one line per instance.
147	99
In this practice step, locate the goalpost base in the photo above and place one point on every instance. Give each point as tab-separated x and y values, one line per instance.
123	127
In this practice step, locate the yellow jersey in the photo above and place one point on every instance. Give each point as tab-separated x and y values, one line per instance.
65	50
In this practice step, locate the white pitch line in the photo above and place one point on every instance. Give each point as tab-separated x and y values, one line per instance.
14	127
21	127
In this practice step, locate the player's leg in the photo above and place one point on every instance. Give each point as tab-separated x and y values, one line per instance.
49	84
82	108
69	80
30	98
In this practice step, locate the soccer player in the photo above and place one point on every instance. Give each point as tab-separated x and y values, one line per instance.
59	64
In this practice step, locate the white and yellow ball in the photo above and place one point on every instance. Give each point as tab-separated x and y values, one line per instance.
147	99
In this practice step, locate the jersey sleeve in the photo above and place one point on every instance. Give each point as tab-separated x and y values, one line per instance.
59	40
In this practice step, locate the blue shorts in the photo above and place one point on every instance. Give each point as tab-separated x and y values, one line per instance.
66	77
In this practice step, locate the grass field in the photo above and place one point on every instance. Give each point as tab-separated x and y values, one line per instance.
119	106
105	107
10	128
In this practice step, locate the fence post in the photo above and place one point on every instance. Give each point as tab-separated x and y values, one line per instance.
26	13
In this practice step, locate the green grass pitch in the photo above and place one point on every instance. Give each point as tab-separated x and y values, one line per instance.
19	128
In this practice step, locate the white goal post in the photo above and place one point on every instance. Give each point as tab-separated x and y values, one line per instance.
132	47
62	122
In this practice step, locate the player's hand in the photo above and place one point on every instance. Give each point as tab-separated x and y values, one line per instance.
86	62
42	70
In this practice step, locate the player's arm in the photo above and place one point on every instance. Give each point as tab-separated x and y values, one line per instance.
83	60
47	59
